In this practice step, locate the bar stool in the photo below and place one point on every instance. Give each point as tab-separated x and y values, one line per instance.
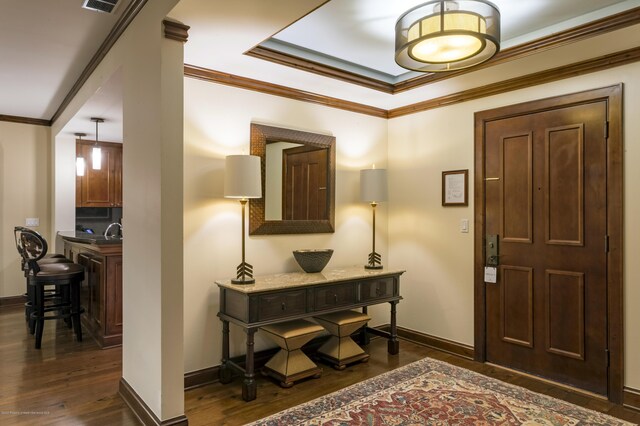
66	277
48	258
340	349
290	363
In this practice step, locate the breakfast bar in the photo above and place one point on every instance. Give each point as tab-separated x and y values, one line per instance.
283	297
101	291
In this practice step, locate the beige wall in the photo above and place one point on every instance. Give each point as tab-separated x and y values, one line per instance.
24	192
424	237
217	120
152	72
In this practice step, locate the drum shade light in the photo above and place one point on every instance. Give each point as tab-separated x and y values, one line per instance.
447	35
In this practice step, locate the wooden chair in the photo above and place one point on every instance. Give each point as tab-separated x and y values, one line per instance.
65	277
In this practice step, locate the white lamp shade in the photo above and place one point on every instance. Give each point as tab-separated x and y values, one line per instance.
373	185
96	158
242	177
80	166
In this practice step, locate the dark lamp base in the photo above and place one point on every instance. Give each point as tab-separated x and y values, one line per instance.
243	281
372	266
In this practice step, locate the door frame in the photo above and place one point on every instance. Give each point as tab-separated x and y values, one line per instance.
613	96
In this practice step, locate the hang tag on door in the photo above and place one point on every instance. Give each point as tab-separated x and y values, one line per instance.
490	274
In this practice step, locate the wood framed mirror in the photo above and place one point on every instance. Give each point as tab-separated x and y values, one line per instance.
298	182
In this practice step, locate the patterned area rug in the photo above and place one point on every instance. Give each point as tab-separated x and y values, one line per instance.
431	392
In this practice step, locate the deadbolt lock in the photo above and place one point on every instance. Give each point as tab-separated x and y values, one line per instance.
491	250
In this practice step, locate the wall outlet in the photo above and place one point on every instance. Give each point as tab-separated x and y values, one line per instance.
464	226
32	221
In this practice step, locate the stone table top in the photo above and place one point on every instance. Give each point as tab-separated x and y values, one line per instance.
300	279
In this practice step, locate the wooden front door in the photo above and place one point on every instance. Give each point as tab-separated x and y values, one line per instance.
304	192
545	198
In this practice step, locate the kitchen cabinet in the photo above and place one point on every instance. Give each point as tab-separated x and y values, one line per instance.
102	187
101	290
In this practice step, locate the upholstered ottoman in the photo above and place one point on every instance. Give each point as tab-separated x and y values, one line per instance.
340	349
290	363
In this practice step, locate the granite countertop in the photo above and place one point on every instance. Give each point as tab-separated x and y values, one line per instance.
298	279
86	238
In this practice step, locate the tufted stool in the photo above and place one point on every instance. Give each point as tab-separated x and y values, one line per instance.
340	349
290	363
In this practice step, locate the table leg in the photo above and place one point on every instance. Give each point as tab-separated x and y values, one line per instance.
249	387
364	336
393	345
225	371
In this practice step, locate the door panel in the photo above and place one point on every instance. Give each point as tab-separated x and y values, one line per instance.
516	300
564	299
517	175
564	181
547	313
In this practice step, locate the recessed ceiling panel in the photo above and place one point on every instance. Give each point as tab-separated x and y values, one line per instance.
359	34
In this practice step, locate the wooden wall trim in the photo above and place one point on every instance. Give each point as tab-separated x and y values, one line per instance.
439	343
25	120
142	410
632	398
176	30
572	70
318	68
120	26
12	301
206	376
278	90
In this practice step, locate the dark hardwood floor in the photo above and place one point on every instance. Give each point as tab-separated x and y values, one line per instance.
70	383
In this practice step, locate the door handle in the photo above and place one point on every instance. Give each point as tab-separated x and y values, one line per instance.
492	250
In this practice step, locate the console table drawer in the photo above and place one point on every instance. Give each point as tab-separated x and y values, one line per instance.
334	296
377	289
279	305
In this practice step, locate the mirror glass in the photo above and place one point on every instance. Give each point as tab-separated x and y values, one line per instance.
298	176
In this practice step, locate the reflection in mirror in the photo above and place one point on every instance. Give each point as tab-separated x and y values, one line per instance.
298	175
296	182
274	178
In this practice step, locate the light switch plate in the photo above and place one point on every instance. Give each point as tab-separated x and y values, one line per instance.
32	221
464	225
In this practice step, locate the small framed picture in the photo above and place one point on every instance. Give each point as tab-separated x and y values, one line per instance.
455	188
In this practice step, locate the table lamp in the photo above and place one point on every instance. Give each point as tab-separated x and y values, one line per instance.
373	189
242	181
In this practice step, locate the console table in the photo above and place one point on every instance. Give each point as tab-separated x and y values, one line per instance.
283	297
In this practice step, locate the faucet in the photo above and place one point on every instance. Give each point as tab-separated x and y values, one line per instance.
106	232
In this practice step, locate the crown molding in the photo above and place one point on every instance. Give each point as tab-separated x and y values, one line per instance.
571	35
281	58
567	71
176	30
25	120
573	70
278	90
120	26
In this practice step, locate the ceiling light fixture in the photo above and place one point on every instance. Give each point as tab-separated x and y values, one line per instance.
96	153
447	35
80	164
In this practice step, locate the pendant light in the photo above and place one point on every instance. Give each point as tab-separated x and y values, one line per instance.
447	35
80	163
96	153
